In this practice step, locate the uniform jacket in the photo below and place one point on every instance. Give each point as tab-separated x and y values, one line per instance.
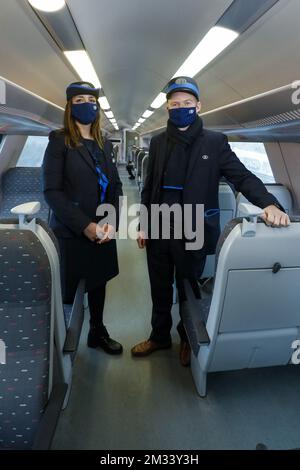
211	158
71	187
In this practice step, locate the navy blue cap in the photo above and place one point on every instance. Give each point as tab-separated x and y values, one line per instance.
82	88
187	84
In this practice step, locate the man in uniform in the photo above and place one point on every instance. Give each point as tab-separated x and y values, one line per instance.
186	163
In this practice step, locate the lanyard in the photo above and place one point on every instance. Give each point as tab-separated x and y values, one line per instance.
211	212
173	187
102	179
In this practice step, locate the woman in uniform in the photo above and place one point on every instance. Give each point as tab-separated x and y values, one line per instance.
79	174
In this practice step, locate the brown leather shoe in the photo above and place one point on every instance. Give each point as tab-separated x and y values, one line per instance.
185	354
148	347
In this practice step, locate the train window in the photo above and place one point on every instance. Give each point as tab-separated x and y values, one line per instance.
254	156
33	151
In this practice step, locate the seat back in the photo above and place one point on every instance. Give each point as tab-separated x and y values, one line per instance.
281	193
31	316
20	185
135	155
139	160
144	170
27	329
227	204
254	313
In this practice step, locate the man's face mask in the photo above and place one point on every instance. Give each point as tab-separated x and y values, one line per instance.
182	117
85	113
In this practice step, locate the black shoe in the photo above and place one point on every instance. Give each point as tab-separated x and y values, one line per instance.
96	340
110	345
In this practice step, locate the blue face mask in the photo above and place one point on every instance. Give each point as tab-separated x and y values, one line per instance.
85	113
182	117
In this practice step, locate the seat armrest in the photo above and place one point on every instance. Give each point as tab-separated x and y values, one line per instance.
194	318
29	208
76	320
50	417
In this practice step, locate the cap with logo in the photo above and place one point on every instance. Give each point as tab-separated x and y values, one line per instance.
81	88
187	84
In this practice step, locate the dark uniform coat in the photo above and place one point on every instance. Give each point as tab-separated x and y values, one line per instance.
71	190
211	158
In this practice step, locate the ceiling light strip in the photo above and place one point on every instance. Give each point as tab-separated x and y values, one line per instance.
214	42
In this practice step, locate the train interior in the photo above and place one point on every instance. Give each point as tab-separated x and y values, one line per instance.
242	388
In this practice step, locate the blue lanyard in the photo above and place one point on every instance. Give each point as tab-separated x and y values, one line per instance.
173	187
102	179
208	213
211	212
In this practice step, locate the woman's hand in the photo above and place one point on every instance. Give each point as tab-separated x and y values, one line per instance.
91	231
141	239
105	233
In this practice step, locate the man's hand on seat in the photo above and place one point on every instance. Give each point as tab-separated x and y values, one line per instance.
274	217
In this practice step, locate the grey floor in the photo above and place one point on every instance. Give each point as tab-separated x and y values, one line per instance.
151	403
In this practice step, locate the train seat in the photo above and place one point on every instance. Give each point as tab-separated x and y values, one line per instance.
227	204
252	317
144	167
20	185
35	379
139	160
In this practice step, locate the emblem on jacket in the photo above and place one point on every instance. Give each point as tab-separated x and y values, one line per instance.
205	157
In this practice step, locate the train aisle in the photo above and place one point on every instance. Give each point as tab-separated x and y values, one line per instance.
151	403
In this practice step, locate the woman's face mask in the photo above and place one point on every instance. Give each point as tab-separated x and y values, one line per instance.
85	113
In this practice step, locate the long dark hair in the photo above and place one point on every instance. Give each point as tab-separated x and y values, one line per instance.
72	133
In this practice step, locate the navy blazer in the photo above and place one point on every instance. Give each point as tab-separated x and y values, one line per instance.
71	186
211	158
